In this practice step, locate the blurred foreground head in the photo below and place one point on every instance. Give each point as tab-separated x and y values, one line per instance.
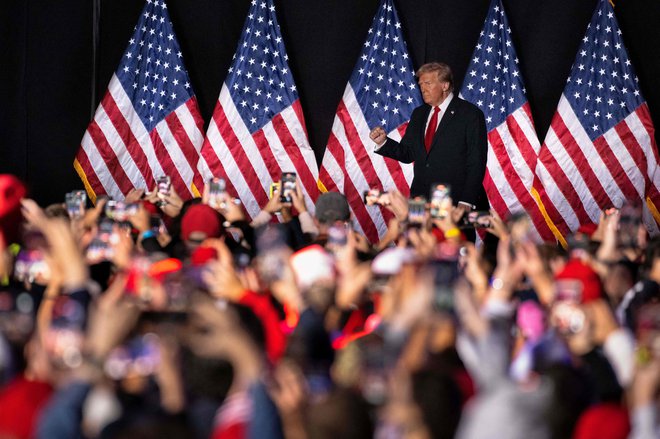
12	190
332	207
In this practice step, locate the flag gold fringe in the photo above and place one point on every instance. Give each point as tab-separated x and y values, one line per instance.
83	177
548	221
194	190
653	209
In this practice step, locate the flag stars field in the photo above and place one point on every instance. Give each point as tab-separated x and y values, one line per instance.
494	85
599	148
257	130
148	123
382	91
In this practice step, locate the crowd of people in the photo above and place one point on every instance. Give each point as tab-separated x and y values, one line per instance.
154	317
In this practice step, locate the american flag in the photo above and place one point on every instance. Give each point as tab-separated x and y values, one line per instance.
258	131
600	149
493	82
382	91
148	123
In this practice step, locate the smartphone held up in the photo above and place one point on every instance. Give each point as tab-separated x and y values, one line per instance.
376	197
163	187
217	194
75	203
440	201
287	187
478	219
416	212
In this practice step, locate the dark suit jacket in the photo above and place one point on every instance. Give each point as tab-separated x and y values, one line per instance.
457	156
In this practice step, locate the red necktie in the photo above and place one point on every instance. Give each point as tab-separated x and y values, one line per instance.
430	130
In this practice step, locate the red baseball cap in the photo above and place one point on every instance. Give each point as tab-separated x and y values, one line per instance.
202	219
575	269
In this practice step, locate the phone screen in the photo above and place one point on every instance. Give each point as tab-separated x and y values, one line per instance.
217	197
374	197
75	203
416	211
30	266
630	219
101	249
163	186
164	183
479	219
288	186
139	356
441	201
64	337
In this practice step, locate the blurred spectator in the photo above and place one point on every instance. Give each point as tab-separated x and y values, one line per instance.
153	317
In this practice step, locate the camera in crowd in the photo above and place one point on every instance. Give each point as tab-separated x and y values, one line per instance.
218	196
287	187
75	203
440	201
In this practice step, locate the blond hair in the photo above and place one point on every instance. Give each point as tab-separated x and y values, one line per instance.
442	69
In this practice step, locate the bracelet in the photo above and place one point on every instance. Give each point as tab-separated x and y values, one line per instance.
453	233
75	289
147	234
607	262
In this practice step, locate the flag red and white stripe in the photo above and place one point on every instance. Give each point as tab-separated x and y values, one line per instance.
581	178
350	166
148	123
250	162
493	83
600	149
382	91
258	129
512	155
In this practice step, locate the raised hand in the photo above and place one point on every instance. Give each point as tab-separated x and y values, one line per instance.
378	135
221	277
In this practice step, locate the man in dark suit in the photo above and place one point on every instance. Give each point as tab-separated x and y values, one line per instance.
446	138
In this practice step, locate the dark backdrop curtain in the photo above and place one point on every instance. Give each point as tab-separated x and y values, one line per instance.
46	69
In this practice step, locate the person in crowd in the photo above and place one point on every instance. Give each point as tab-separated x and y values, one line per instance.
446	139
158	317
